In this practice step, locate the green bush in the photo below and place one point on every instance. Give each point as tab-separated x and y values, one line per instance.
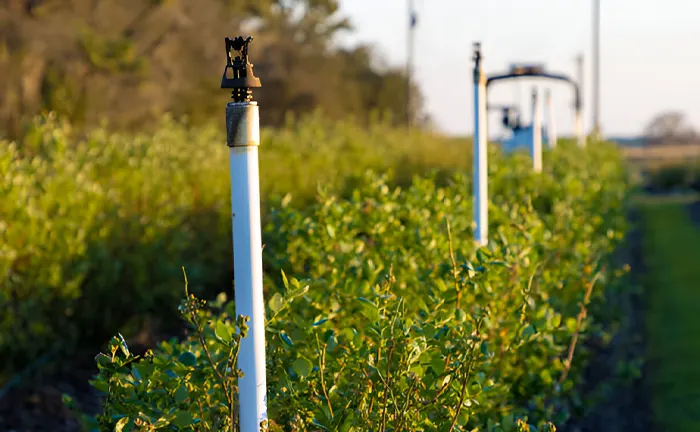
672	177
695	178
396	321
94	227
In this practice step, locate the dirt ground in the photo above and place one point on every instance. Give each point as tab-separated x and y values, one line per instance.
694	211
620	407
36	405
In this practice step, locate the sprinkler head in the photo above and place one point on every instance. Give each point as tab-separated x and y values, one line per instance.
243	78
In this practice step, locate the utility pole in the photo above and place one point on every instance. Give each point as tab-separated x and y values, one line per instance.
596	67
409	58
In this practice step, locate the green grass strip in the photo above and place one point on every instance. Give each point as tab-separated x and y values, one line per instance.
672	253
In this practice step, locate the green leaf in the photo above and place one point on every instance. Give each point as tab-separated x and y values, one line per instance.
302	366
122	345
276	303
144	370
182	419
369	309
119	427
528	331
187	358
181	394
481	255
223	331
135	372
438	365
485	348
463	417
508	422
100	385
556	320
284	280
67	400
366	301
330	230
103	360
285	338
320	322
418	369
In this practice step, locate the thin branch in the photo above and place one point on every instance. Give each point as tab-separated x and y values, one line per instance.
402	415
322	366
200	335
579	320
461	402
465	381
388	383
454	265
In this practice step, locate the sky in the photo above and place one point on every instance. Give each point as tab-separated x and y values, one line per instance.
650	60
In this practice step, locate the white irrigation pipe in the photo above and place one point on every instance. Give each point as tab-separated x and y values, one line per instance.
578	106
551	121
578	128
536	145
243	139
480	145
242	121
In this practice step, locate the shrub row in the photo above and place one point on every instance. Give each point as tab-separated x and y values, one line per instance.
671	178
381	314
94	227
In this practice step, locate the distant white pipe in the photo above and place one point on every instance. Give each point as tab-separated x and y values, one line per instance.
480	163
578	105
578	128
536	146
551	121
243	138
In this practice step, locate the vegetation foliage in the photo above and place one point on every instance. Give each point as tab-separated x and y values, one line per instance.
132	61
381	314
671	243
673	177
94	227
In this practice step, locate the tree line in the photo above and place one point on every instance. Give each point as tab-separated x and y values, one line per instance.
130	61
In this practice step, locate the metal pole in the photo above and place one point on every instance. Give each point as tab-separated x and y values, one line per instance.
578	105
551	126
596	67
480	162
243	139
409	60
536	148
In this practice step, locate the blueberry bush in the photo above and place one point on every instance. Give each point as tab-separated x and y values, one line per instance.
95	226
382	315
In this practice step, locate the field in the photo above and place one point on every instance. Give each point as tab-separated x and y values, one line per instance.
672	247
382	315
662	154
665	168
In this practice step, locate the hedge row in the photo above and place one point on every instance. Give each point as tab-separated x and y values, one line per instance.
95	227
382	315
